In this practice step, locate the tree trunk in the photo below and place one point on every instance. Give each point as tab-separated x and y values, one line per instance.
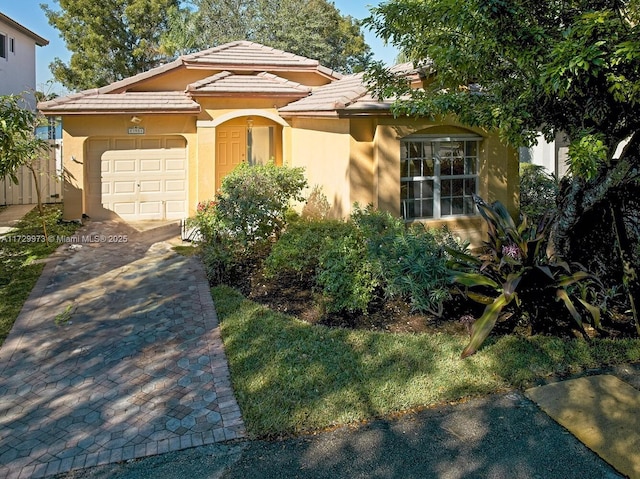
599	223
36	181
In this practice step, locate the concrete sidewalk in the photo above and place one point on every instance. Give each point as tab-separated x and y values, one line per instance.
503	436
10	216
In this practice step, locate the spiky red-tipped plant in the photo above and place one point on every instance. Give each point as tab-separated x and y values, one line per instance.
515	264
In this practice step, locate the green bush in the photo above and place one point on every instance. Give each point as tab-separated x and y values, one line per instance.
253	201
345	274
414	267
538	192
205	221
251	208
296	252
409	262
380	256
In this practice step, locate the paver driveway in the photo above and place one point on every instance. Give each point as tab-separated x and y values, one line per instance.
138	369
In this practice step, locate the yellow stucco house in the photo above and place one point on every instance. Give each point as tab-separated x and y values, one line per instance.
154	145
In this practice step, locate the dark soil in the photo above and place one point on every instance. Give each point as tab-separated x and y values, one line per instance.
295	296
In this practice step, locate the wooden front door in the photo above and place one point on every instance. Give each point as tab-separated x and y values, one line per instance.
231	150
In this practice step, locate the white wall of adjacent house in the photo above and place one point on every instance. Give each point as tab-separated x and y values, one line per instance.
551	155
17	61
554	155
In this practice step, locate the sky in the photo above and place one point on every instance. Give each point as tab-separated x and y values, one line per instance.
29	14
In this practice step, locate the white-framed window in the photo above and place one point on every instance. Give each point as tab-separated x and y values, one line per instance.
3	46
438	176
12	45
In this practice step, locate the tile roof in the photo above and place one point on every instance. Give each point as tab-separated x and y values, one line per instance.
347	96
240	56
234	56
329	98
261	84
254	56
92	101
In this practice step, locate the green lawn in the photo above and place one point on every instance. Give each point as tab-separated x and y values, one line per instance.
19	269
290	376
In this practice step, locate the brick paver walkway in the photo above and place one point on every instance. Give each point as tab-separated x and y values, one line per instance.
138	369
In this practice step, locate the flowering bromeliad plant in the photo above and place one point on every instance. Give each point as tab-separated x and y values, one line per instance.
516	267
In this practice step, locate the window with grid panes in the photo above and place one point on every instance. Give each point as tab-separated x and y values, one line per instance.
438	177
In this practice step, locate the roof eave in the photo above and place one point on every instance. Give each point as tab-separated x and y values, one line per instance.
309	114
133	111
40	41
294	96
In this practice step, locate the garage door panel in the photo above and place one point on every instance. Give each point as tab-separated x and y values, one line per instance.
145	184
175	208
150	207
151	143
151	166
174	165
174	185
124	209
123	166
123	187
150	186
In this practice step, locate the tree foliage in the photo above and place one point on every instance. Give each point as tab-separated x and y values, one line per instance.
569	66
109	40
311	28
550	66
19	145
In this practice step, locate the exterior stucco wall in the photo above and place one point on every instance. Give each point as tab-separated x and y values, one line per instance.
322	147
354	160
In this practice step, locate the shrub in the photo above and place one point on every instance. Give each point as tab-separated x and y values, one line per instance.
296	252
410	262
345	274
538	192
218	258
251	208
317	206
381	256
254	199
414	267
205	221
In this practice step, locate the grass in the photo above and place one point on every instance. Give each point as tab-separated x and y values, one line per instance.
19	269
290	376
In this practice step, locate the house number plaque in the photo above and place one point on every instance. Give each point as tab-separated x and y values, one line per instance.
136	130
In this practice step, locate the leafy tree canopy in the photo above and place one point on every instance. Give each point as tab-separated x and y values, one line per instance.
544	65
109	39
311	28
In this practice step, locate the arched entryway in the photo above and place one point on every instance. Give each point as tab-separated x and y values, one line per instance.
247	139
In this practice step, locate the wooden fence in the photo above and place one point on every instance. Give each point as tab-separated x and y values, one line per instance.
24	192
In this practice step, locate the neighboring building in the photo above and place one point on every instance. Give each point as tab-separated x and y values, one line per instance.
17	57
18	75
154	145
552	155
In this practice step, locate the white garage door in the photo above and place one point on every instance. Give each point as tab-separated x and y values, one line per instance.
145	184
